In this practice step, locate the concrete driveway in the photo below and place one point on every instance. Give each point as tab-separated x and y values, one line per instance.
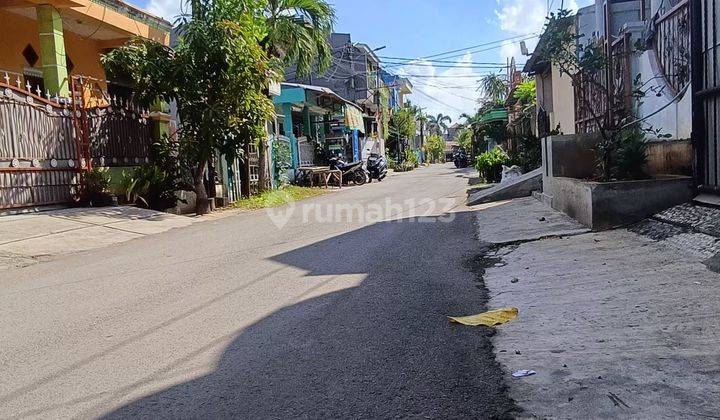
28	238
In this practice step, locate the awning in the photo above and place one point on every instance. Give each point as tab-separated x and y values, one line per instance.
494	115
354	119
321	90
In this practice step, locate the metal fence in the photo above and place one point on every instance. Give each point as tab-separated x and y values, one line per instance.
307	152
41	158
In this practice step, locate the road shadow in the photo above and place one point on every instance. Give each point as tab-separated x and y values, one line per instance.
381	348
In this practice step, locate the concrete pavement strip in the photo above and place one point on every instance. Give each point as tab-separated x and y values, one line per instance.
28	238
616	324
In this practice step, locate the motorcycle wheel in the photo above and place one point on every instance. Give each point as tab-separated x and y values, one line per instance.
359	178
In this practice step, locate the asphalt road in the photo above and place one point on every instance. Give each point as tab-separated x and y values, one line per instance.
339	313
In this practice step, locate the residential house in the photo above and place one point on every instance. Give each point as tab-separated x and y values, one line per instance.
43	42
355	76
555	94
318	123
658	61
61	114
620	26
399	88
452	132
451	140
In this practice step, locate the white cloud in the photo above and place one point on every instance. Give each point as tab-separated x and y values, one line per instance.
520	17
453	90
167	9
510	49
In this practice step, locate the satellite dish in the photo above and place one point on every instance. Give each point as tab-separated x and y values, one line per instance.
523	48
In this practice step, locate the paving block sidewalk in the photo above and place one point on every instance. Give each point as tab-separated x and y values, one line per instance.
28	238
616	324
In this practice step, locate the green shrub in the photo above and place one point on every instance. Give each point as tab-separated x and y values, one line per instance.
528	155
411	158
96	186
151	186
281	161
631	154
489	164
392	163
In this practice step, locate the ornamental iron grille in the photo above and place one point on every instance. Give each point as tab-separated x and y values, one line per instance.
47	142
672	44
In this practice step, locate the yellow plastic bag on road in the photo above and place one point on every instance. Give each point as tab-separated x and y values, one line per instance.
488	319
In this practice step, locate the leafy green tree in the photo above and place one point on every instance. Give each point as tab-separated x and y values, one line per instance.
435	148
581	63
402	128
526	92
216	75
403	121
465	139
295	32
282	161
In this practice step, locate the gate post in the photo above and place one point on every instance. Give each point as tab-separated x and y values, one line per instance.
160	117
697	133
52	50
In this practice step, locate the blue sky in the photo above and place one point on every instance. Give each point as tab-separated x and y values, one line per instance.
418	28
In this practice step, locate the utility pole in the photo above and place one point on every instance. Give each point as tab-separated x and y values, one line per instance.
422	137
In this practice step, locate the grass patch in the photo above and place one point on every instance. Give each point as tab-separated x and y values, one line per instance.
279	197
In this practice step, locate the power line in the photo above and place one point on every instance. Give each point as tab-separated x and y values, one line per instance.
438	61
491	48
479	45
447	66
396	65
441	76
439	101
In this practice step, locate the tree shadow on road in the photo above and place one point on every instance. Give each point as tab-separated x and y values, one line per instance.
381	348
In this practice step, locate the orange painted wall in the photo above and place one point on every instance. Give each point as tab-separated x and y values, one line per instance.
17	32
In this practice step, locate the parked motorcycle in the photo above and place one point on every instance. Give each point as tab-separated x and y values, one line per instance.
377	166
460	159
352	171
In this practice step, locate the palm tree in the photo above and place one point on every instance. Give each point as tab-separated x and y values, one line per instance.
438	123
494	87
297	33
